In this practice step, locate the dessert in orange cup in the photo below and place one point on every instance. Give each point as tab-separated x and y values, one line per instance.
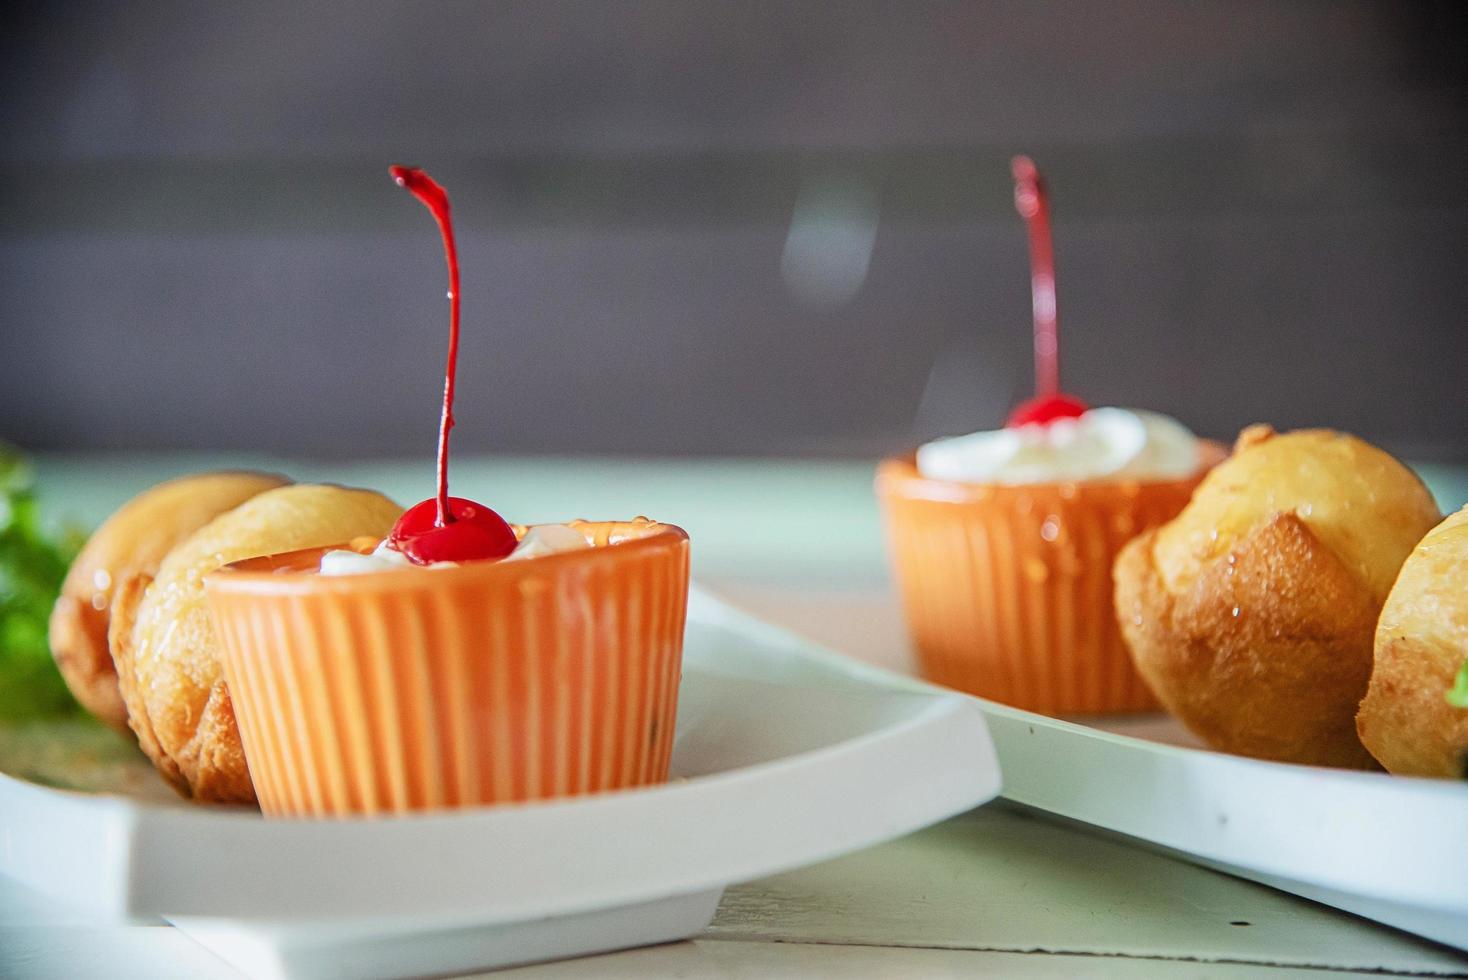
459	661
1001	543
483	682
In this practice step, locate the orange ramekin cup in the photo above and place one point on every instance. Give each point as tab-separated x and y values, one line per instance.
488	682
1007	590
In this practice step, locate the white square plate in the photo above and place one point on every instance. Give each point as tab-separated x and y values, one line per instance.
1390	848
785	755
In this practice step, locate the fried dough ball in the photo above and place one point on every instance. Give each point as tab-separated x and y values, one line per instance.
1407	720
131	542
1251	614
163	641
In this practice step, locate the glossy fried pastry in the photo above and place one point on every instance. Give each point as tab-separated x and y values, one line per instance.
163	641
1251	615
1409	721
129	543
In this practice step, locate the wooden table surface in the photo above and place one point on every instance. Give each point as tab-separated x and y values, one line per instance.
998	890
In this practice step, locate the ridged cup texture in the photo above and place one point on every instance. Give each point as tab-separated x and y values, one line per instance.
1007	590
489	682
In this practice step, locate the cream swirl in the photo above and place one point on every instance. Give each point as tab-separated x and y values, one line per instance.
539	539
1103	443
548	539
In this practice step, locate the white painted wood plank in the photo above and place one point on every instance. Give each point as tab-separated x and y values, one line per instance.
761	961
42	938
1004	879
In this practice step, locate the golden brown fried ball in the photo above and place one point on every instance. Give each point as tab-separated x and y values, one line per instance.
1251	615
1406	720
163	641
131	542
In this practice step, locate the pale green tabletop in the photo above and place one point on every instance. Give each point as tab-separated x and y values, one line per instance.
782	520
757	520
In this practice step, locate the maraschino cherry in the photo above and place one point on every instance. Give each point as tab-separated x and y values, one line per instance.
1049	403
445	528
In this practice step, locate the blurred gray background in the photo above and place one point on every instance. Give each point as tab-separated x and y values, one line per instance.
753	228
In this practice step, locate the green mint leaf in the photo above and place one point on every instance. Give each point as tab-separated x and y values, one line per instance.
32	566
1458	694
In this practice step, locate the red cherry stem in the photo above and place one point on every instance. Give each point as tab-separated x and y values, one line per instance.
433	197
1034	207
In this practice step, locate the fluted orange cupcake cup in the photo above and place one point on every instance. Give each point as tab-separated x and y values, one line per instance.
1007	589
428	688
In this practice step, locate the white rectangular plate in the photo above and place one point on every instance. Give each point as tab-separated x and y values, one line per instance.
1384	847
785	755
1389	848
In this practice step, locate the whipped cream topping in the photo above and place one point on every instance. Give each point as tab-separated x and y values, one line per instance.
539	539
1104	443
547	539
344	562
